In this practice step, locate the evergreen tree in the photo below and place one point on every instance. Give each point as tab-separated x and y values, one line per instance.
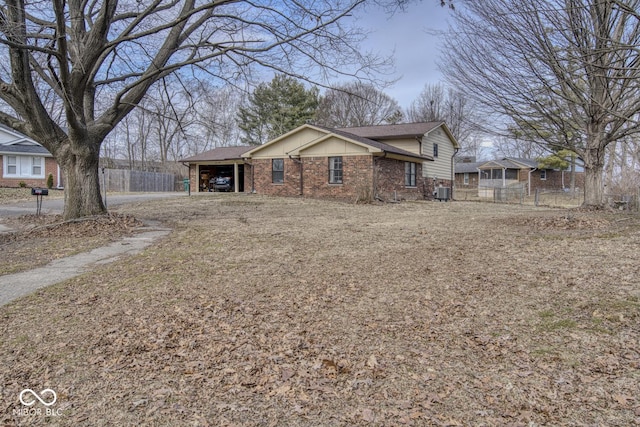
275	108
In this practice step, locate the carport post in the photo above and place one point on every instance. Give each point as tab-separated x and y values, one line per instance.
236	184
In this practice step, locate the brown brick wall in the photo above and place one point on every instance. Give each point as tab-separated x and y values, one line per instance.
356	178
50	167
554	180
473	180
390	179
263	182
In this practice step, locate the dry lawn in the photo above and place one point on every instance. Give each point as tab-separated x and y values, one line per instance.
262	311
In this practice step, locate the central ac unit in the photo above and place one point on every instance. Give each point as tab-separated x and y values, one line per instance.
443	193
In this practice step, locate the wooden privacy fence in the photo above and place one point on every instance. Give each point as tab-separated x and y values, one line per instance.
124	180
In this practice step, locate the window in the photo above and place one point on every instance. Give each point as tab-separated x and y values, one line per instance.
466	178
409	174
335	170
12	166
543	174
277	171
36	166
23	166
496	173
435	150
511	174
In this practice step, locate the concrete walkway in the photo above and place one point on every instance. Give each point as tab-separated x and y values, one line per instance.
14	286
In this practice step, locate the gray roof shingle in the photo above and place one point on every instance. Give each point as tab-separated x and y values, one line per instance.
408	130
373	143
219	154
24	149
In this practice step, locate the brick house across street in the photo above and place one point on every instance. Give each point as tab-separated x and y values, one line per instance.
389	162
25	162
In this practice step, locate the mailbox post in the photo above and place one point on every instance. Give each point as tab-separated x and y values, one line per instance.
39	192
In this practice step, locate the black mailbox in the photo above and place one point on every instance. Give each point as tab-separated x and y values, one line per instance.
39	192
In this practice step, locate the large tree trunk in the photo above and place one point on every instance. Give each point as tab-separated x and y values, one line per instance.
593	183
81	183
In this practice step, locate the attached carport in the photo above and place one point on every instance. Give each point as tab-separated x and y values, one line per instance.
219	162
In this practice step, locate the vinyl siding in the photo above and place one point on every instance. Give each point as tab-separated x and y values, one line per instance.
334	147
290	143
441	166
410	145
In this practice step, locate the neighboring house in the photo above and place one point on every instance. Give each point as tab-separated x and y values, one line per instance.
25	162
511	172
405	161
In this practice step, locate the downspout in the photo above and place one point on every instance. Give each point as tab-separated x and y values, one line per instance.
298	161
453	172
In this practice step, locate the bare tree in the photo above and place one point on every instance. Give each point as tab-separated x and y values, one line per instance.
357	104
95	61
438	103
518	148
566	72
216	111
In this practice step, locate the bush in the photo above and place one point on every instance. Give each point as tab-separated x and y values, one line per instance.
22	184
50	181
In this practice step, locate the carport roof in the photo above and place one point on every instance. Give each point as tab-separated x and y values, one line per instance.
219	154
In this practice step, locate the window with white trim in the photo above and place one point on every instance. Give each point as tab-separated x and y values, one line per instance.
23	167
335	170
409	174
543	174
466	178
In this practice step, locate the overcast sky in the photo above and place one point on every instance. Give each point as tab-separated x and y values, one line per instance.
416	50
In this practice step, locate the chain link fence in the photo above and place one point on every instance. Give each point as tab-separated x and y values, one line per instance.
542	197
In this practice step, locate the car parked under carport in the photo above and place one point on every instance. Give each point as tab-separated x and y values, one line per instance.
223	162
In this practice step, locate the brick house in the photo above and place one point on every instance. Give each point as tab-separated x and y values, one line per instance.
25	162
404	161
507	172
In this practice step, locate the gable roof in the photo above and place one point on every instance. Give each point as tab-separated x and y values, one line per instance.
400	130
509	163
219	154
20	144
467	167
374	146
393	131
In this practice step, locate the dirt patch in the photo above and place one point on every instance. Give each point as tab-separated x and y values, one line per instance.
36	240
263	311
565	221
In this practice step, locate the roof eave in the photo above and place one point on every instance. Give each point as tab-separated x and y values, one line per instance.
404	157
